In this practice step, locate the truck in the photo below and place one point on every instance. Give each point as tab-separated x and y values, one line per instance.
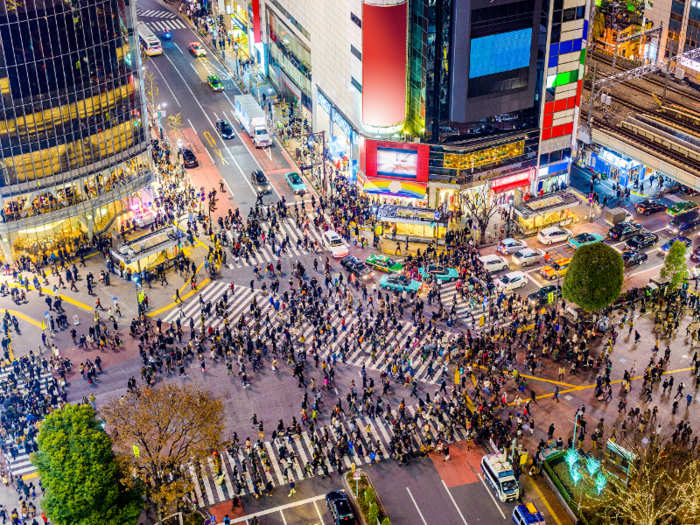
253	120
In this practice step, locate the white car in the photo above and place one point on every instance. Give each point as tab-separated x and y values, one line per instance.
554	234
494	263
510	246
511	281
334	244
527	257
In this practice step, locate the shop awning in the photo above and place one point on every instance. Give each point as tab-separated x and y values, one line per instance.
511	182
395	188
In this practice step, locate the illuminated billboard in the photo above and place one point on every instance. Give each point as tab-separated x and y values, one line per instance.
396	160
499	53
384	48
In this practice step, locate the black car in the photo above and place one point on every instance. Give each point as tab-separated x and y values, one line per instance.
340	508
632	257
260	182
356	266
642	241
624	230
649	206
189	159
224	129
541	296
689	191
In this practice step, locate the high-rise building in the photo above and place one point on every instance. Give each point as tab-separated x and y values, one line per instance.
493	86
72	125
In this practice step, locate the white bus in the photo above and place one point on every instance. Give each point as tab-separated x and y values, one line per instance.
149	42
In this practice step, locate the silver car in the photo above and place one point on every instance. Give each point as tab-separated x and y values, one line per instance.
527	257
260	182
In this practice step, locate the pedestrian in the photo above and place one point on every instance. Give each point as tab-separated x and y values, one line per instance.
292	489
556	394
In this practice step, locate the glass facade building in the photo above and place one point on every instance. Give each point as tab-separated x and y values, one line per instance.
73	137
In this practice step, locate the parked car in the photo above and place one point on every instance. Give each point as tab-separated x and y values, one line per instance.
633	257
340	508
556	268
584	239
624	230
554	234
399	282
334	244
356	266
439	272
541	296
527	257
511	281
649	206
666	247
260	182
642	240
384	263
507	246
189	159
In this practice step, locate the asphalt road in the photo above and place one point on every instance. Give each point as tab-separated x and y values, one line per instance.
181	79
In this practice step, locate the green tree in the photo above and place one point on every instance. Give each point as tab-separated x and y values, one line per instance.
373	514
675	268
594	278
79	472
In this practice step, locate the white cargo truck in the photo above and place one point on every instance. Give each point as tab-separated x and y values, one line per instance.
253	120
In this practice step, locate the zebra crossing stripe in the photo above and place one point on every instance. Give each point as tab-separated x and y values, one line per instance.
154	13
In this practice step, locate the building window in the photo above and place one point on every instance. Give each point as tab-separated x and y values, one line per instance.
356	19
355	52
356	84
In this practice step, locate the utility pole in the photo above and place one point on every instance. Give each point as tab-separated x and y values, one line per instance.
592	97
668	74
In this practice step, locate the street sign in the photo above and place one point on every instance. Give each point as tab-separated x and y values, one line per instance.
137	453
437	215
550	297
357	475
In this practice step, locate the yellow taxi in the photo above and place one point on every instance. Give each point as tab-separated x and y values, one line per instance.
556	269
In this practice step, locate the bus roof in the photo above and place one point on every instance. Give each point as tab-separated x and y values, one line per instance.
146	33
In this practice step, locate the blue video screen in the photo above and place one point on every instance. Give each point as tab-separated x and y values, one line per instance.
498	53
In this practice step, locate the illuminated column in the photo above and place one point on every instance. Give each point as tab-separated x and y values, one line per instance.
384	52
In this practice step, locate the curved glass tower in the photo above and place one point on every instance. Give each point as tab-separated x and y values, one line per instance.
73	137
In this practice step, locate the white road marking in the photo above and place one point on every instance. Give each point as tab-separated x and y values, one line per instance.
208	153
490	494
178	48
319	514
455	503
278	509
188	120
417	508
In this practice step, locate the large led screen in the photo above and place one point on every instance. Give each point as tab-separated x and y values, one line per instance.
403	161
498	53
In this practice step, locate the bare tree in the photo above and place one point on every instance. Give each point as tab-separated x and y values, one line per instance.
152	89
480	206
175	126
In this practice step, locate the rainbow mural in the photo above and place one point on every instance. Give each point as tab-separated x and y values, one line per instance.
395	188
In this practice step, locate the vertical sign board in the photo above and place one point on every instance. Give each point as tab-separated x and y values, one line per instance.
256	21
384	47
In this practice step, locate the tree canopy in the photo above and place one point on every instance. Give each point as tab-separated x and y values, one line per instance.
675	267
79	473
160	432
594	278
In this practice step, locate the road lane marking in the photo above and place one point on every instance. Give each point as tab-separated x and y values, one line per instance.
223	160
546	503
178	47
166	83
212	125
278	509
209	138
283	518
267	152
455	503
188	120
490	494
208	153
321	517
417	508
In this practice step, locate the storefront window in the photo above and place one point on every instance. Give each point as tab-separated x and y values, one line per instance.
484	157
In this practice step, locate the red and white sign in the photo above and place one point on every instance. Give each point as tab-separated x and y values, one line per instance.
510	182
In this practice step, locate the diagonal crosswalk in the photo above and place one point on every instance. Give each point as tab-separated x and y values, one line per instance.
414	358
166	24
154	13
288	229
288	456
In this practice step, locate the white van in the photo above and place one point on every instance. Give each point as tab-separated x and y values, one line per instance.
498	472
494	263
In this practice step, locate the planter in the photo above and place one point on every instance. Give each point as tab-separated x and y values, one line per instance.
364	509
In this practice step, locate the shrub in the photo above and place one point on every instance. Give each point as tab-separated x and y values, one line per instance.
373	514
386	521
370	497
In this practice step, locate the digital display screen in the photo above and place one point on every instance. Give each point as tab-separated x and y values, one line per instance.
397	163
498	53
